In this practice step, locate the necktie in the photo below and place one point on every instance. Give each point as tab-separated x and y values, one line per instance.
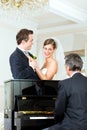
26	53
29	54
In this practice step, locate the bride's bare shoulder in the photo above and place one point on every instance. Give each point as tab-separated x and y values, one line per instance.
54	61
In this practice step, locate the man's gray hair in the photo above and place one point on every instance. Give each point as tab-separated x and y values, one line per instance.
74	61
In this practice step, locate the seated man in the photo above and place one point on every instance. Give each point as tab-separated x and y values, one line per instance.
71	105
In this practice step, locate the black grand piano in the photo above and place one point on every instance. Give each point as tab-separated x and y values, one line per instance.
29	104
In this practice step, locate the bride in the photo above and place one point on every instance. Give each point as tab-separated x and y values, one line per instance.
53	65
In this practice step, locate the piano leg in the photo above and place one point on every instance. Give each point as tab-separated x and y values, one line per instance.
17	123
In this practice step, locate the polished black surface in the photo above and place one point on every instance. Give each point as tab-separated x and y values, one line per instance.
40	98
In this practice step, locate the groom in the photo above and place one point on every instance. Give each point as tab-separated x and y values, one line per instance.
19	63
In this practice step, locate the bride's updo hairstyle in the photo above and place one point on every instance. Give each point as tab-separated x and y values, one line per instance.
50	41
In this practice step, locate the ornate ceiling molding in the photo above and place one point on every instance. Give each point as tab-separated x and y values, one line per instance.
68	10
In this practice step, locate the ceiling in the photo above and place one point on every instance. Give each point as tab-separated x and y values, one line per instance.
61	16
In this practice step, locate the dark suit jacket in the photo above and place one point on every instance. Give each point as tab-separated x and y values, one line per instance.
71	104
20	66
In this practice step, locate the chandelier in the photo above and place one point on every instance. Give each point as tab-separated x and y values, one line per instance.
31	4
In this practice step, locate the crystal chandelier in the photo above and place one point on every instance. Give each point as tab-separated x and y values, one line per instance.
22	11
31	4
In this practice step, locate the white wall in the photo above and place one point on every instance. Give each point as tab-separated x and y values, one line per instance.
72	42
7	41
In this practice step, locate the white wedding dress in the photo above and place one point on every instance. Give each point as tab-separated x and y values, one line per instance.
44	70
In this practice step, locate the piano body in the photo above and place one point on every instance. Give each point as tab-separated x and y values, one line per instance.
28	109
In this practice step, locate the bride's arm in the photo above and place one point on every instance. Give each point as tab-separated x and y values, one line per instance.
51	71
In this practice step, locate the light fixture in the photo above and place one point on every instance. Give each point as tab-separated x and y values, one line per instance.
22	11
31	4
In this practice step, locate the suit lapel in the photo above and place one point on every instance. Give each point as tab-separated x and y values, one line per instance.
20	52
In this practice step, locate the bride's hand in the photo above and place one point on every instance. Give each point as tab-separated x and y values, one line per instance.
32	63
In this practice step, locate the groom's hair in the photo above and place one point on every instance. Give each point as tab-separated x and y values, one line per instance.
23	34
